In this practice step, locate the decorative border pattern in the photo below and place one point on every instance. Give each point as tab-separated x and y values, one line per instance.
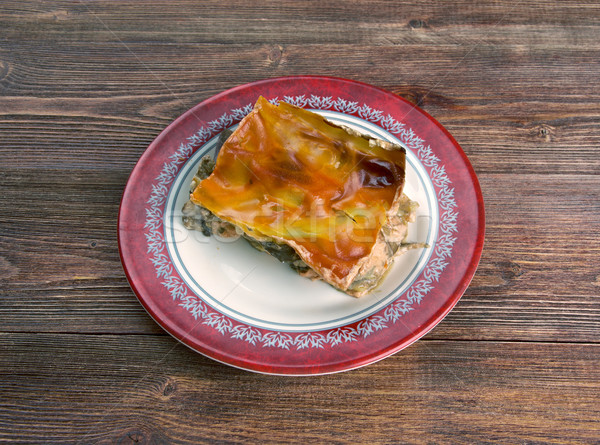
154	233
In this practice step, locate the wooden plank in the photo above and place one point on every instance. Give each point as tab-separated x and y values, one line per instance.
84	89
284	22
82	107
539	259
109	389
83	82
538	277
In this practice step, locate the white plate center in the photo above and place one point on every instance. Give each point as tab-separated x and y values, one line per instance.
256	289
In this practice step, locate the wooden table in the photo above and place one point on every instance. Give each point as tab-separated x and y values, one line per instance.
86	86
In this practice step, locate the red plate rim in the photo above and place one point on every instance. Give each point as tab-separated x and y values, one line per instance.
310	361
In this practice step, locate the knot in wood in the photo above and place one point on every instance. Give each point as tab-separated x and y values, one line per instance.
4	69
133	437
275	54
169	389
510	270
417	23
545	132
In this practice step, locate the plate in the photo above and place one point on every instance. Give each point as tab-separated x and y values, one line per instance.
235	305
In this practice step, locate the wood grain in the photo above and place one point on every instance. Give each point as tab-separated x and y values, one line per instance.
538	277
544	122
86	86
100	389
505	86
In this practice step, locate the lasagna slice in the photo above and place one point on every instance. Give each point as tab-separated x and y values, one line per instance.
323	198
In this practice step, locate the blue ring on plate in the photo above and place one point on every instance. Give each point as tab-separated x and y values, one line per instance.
217	305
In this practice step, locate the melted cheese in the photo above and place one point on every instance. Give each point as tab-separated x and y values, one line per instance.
288	174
